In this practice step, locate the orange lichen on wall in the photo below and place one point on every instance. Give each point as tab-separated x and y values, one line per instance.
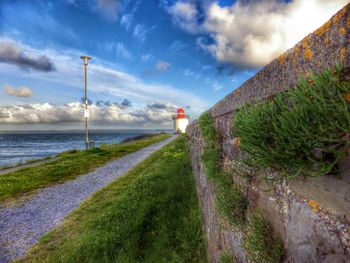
320	31
339	16
342	54
348	22
237	92
342	31
281	58
308	54
319	64
326	41
295	55
238	142
315	207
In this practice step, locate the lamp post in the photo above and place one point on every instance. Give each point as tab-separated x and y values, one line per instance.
86	112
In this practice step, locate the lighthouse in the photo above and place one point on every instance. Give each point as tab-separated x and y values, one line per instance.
180	120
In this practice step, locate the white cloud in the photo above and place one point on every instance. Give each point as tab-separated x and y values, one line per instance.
190	73
105	78
162	66
128	18
159	67
140	32
184	14
146	57
72	2
206	67
217	86
126	21
214	84
22	91
178	46
153	114
108	8
122	51
252	33
12	53
119	48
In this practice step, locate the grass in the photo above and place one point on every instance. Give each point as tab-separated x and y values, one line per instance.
232	203
230	200
70	165
226	257
260	244
211	151
302	132
4	167
151	214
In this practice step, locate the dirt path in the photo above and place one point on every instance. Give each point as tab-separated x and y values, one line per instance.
21	227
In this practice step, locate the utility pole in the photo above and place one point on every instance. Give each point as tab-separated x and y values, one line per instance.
86	112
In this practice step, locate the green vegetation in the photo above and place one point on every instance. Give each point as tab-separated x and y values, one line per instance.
304	131
70	165
261	246
37	160
226	257
211	153
232	203
151	214
230	200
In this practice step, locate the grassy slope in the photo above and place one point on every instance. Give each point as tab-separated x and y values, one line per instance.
4	167
150	214
70	165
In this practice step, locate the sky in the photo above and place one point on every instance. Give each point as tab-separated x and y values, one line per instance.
149	57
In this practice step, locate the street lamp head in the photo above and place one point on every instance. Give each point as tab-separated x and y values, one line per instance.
85	59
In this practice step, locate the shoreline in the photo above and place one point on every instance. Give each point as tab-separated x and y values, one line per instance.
5	169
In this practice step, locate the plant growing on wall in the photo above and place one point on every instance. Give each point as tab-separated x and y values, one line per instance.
230	200
304	131
226	257
211	150
260	244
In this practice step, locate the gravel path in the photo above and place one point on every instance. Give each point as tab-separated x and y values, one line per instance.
21	227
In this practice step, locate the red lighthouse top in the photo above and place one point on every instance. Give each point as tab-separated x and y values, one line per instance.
180	113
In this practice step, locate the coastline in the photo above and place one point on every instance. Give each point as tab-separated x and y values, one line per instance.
5	169
22	148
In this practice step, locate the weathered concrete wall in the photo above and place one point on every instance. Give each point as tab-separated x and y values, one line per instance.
311	216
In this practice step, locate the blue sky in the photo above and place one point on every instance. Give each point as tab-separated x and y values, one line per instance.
148	57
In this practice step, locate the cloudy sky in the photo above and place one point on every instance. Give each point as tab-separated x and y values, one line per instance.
148	56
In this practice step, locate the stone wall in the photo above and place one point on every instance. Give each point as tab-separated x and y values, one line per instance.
311	216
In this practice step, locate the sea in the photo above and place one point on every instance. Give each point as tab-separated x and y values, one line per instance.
16	147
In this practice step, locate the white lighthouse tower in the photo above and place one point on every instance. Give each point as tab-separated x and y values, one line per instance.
180	120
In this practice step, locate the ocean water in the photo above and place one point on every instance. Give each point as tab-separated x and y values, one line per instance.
16	148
